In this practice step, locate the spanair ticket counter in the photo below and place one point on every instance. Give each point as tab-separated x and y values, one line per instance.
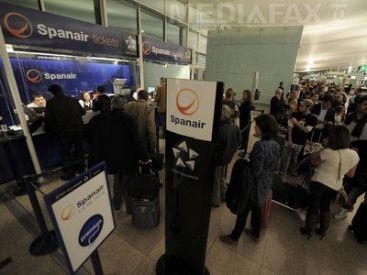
44	49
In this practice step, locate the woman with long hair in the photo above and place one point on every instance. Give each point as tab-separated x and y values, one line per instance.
332	164
264	160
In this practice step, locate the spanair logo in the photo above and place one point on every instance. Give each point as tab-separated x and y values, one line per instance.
34	76
18	25
67	213
187	102
147	48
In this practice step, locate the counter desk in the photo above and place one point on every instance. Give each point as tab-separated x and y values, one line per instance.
15	160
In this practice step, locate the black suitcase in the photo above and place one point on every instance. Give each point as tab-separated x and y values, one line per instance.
294	196
144	190
359	223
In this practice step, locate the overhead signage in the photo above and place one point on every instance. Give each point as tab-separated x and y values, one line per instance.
190	108
82	215
155	50
22	26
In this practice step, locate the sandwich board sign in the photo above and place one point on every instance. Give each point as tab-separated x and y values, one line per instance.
82	216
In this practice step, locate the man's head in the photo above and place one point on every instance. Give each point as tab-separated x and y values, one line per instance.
162	81
327	101
278	93
229	94
226	112
39	100
55	89
142	94
339	98
118	103
315	97
305	106
100	89
362	104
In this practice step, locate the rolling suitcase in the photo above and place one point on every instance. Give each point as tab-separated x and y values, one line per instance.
145	201
359	223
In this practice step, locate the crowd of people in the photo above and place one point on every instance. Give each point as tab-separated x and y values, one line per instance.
311	113
123	133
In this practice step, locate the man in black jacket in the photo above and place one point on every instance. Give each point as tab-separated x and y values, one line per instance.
102	103
325	116
113	137
63	116
226	145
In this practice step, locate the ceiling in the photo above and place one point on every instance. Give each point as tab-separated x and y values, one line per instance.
334	34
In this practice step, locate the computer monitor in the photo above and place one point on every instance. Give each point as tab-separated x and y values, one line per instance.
151	89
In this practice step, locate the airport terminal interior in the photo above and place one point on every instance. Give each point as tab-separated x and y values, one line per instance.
183	137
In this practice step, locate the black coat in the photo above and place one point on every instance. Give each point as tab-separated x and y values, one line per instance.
113	137
102	104
63	115
227	142
245	113
277	108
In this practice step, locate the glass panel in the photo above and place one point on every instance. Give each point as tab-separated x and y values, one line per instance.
201	59
157	5
202	44
33	4
176	9
152	26
78	9
121	15
193	41
173	33
194	16
183	36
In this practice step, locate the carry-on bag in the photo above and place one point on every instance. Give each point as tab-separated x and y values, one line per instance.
144	190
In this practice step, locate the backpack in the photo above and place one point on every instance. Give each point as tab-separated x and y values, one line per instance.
237	185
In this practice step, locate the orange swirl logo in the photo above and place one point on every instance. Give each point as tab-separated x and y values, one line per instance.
147	48
18	25
34	76
67	213
187	102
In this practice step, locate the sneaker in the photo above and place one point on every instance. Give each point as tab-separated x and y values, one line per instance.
342	214
227	240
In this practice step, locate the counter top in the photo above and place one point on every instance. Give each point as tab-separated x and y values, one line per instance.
7	138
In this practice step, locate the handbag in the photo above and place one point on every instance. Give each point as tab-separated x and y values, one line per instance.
306	168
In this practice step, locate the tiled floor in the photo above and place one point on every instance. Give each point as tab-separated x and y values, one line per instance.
282	250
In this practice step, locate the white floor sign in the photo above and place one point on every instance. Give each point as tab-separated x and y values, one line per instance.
82	215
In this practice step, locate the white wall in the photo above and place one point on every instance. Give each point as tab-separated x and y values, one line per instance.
153	72
234	55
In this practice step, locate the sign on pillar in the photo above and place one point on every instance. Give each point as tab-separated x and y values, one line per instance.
193	115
